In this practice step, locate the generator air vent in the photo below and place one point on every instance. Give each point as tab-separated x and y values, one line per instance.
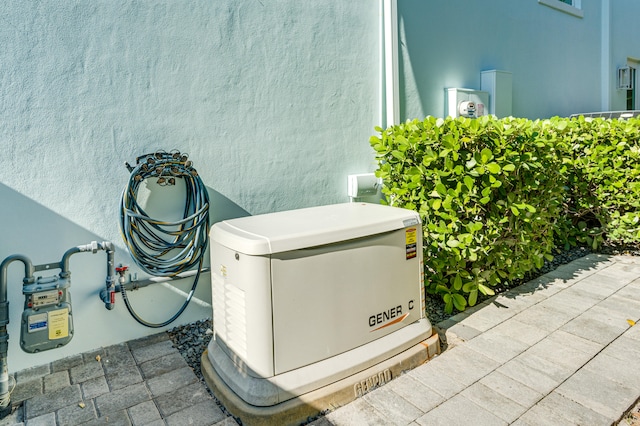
229	314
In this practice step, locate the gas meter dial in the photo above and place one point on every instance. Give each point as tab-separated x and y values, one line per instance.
467	109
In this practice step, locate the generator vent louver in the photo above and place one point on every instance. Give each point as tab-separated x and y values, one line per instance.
229	315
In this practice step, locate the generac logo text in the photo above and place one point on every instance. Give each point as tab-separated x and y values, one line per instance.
390	316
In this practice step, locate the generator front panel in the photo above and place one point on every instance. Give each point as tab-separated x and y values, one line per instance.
330	299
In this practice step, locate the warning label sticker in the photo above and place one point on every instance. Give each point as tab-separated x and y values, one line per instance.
58	324
411	240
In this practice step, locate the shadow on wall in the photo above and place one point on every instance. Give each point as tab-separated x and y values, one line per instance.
33	230
29	227
222	208
428	65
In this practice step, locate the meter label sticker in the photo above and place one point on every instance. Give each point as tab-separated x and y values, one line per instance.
58	324
411	240
37	322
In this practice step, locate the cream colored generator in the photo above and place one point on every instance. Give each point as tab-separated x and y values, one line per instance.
305	298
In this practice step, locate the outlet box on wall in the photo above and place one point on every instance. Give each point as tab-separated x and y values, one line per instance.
363	185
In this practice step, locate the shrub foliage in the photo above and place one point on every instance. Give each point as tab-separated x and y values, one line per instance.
602	202
496	196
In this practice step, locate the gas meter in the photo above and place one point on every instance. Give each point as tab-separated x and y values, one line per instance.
47	320
467	109
466	102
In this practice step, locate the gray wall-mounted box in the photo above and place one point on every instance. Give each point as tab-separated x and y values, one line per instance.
499	84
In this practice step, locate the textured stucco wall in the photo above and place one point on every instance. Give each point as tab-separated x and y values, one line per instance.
554	57
273	100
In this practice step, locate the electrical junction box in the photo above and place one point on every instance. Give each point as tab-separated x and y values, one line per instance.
466	103
363	185
305	298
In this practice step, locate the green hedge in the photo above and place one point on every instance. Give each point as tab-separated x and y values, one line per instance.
496	196
602	204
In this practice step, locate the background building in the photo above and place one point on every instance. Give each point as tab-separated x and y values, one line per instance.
563	59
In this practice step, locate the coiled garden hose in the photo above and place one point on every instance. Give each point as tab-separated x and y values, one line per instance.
158	247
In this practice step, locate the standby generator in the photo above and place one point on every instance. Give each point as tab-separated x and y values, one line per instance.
309	305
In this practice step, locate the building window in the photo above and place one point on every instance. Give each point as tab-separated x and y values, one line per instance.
575	3
572	7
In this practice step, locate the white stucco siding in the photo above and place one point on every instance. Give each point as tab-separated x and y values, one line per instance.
263	95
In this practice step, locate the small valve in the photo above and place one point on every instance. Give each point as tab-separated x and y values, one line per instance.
121	270
108	294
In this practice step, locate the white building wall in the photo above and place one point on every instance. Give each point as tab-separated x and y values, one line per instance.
554	56
625	47
274	101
